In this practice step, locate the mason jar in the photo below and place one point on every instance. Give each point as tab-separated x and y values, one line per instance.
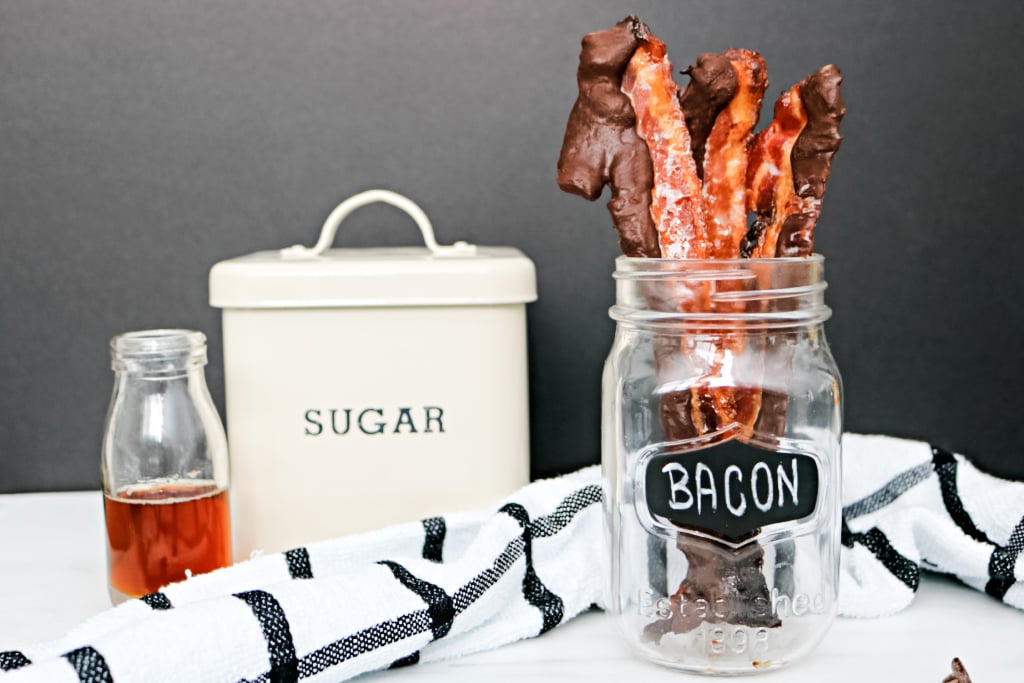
164	465
722	421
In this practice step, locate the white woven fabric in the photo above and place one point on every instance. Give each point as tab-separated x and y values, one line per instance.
478	580
908	506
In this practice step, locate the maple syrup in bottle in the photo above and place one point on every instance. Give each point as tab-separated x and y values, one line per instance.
164	465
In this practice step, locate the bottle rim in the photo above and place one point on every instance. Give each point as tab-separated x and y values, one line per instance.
154	344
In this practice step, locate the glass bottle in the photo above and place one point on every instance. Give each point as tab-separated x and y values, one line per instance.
721	452
164	465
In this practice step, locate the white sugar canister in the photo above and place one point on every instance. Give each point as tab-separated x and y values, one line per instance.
371	386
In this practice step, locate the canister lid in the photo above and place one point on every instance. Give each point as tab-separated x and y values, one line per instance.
318	277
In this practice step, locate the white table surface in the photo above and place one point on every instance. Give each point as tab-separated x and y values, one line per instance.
52	576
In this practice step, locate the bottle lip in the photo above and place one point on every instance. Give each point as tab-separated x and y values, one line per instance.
157	344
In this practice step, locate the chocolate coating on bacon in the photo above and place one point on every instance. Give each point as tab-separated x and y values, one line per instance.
820	139
730	580
812	157
711	87
601	146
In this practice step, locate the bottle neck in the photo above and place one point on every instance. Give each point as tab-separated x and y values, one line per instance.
158	354
718	295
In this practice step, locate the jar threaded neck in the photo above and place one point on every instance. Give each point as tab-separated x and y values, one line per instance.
724	293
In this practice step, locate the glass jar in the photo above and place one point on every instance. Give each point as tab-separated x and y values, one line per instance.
721	452
164	465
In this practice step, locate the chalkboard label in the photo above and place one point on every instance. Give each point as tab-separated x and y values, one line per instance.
729	490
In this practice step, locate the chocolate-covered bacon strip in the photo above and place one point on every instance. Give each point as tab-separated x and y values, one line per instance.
711	87
677	211
676	197
731	581
771	195
725	160
724	208
812	158
601	146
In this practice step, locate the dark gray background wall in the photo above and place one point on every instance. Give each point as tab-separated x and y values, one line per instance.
141	142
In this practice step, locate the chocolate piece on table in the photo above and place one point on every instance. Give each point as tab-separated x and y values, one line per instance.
812	157
711	87
959	674
601	146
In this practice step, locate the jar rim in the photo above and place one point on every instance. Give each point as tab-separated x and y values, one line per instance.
632	264
815	258
714	293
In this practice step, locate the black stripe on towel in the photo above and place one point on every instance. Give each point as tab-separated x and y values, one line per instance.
277	632
551	607
434	531
571	505
414	658
896	487
1002	563
657	564
903	569
89	665
12	659
378	636
785	563
946	466
298	563
439	603
482	582
846	536
157	600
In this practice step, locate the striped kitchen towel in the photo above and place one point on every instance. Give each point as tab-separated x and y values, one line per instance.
473	581
329	611
908	506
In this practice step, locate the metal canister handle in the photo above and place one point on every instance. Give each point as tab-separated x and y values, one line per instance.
333	222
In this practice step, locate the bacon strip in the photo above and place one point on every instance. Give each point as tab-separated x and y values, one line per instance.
812	157
601	146
771	195
675	202
725	160
724	206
